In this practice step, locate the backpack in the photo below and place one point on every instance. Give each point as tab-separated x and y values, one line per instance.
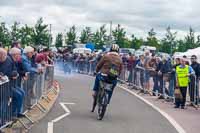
113	72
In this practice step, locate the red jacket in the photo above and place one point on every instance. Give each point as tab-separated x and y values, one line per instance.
131	63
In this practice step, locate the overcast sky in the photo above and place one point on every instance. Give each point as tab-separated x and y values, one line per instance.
137	16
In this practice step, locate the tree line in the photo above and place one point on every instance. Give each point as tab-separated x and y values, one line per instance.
28	35
39	34
168	44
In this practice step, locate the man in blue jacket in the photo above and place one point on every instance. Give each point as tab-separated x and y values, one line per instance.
27	64
26	60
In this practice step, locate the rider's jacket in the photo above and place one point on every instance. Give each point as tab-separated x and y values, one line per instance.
107	60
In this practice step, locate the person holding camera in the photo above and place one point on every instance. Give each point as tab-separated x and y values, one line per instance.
8	68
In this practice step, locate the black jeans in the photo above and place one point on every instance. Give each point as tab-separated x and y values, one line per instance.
160	84
181	102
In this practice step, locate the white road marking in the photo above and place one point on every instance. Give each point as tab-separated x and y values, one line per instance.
169	118
50	124
50	127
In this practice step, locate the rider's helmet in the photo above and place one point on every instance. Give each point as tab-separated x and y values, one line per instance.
114	48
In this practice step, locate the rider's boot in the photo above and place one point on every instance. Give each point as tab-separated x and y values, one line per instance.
94	103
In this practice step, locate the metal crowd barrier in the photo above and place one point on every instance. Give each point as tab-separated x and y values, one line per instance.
88	68
124	73
5	103
35	87
194	90
165	83
137	77
92	66
49	77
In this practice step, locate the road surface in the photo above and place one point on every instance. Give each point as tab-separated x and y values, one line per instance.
126	113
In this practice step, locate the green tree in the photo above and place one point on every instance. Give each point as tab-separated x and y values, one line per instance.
15	32
4	35
71	36
168	43
85	35
135	42
41	34
181	46
59	40
100	37
151	39
127	43
190	39
119	35
26	34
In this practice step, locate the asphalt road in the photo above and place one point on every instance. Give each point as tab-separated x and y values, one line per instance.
125	114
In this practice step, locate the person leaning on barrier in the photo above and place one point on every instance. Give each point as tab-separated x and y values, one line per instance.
33	62
131	64
16	57
48	56
147	74
26	61
140	68
81	61
183	72
170	77
154	64
19	94
150	64
7	67
93	62
194	84
165	67
29	65
40	59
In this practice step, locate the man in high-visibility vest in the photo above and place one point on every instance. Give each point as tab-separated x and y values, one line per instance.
183	72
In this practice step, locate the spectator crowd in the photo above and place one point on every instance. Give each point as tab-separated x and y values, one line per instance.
168	78
18	65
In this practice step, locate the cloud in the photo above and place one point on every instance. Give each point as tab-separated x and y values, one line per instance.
137	17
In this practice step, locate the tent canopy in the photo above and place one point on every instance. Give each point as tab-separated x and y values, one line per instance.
82	50
189	53
90	46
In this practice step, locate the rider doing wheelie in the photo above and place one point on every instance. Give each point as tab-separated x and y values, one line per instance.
108	69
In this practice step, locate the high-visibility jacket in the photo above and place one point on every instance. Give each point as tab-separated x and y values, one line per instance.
182	75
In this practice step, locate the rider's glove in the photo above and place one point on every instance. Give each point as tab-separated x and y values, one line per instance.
95	73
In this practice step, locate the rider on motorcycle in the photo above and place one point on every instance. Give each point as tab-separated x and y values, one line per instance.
108	69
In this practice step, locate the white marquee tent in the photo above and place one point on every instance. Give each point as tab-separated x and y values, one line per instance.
189	53
82	50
